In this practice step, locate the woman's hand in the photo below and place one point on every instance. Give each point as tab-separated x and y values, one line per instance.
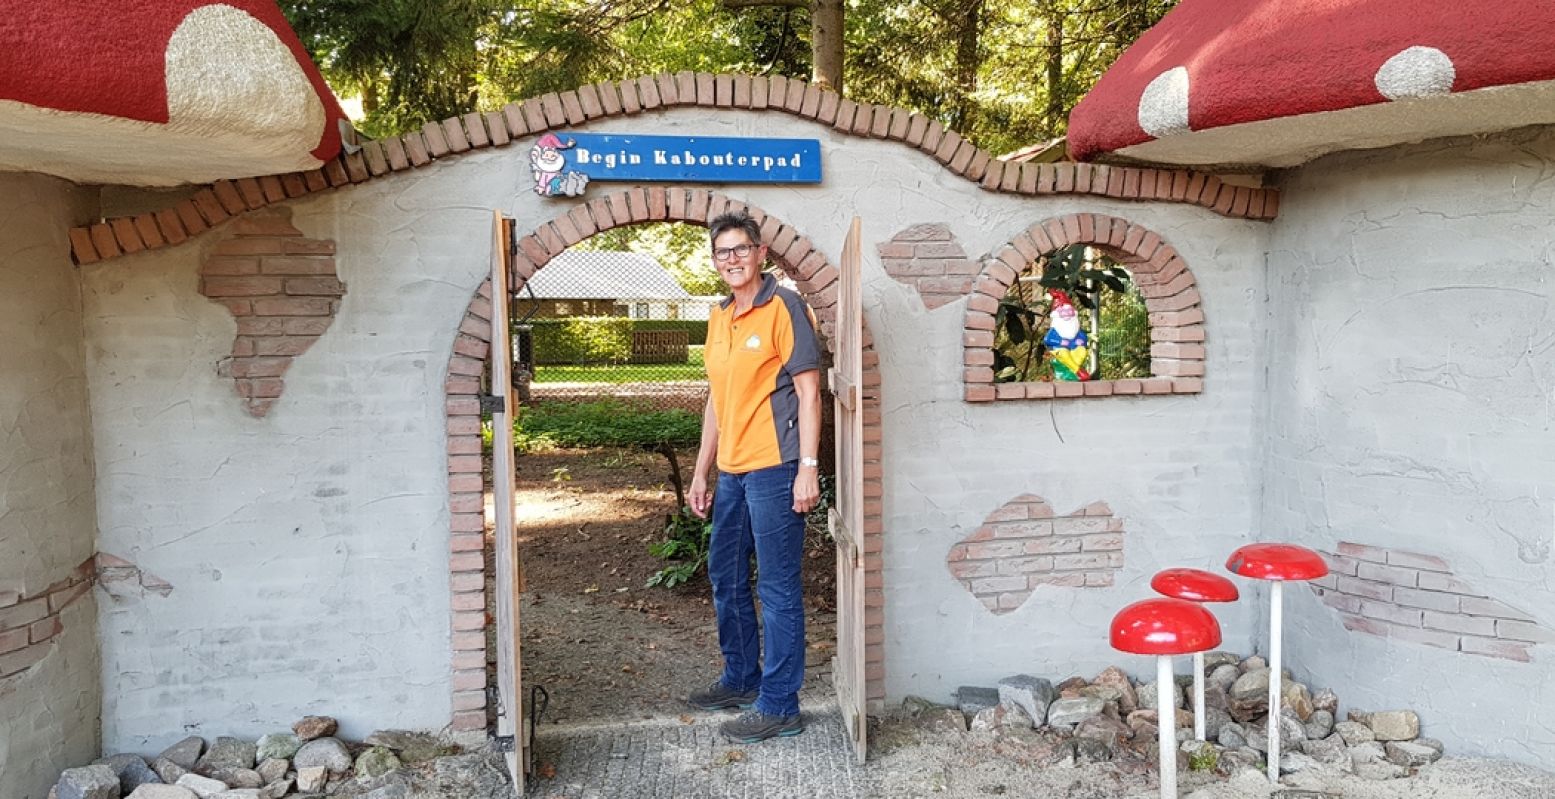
701	497
807	489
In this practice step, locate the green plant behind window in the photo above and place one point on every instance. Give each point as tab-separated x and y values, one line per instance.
1095	283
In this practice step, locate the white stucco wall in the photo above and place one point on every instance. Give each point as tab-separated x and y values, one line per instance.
308	549
1181	471
1411	375
48	713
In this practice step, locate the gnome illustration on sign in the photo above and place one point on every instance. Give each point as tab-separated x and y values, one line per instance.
549	167
1066	343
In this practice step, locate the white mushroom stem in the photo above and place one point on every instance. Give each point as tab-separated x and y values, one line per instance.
1198	695
1276	595
1166	725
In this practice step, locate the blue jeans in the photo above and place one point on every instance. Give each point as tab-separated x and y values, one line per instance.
755	510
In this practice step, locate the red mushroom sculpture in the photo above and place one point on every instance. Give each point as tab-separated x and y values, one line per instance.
161	92
1195	585
1165	627
1277	563
1278	82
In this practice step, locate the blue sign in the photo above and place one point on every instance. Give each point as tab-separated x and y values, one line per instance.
564	163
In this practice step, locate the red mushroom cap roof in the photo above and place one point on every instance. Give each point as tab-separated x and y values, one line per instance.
81	71
1194	585
1277	562
1215	63
1164	626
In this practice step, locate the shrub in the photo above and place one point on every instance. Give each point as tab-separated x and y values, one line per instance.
601	339
583	339
686	541
603	423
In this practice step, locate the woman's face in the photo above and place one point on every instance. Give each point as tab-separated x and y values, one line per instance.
737	271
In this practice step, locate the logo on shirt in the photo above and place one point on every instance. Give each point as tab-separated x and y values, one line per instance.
753	343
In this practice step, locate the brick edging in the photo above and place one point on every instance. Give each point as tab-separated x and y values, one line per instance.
815	277
218	202
1176	318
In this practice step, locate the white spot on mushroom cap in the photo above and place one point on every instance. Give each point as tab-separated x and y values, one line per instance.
228	73
1163	108
1416	72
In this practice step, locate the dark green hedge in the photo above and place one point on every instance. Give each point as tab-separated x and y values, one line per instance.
697	330
600	339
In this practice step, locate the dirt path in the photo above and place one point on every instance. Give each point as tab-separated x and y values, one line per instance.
603	645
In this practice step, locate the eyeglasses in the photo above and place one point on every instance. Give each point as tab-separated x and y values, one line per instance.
724	253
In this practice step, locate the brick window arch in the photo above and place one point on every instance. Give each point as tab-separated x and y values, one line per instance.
816	280
1171	295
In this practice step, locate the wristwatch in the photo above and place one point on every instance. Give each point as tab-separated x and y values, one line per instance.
814	463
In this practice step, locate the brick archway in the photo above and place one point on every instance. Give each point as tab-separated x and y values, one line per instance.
815	278
1171	295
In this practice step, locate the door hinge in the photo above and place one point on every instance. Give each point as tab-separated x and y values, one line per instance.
502	743
494	403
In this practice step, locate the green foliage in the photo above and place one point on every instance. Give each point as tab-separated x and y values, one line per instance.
622	373
410	61
696	329
583	339
1094	282
682	249
817	525
1003	74
686	541
600	339
1125	336
605	423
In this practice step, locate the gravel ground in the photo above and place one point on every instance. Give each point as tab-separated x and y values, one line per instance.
685	757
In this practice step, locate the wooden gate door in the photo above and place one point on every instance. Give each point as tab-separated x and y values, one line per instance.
510	705
847	513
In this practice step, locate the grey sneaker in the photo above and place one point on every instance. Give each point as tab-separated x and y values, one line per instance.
719	697
753	726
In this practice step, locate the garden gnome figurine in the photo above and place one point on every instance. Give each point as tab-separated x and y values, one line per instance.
1066	343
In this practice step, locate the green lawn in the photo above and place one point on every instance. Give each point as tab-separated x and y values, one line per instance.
628	373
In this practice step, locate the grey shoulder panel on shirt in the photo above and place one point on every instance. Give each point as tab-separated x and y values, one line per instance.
807	346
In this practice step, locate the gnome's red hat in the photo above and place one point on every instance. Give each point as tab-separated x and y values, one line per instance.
550	140
1059	297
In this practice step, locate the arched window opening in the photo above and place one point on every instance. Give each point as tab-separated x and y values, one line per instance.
1107	337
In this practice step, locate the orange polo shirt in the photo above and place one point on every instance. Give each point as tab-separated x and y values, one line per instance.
751	361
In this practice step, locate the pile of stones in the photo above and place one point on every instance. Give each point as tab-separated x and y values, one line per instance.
1114	718
309	763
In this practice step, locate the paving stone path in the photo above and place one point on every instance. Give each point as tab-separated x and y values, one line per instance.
672	759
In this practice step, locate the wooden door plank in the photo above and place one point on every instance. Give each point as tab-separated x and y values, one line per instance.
509	572
847	518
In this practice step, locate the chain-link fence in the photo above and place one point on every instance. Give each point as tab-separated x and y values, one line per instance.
606	325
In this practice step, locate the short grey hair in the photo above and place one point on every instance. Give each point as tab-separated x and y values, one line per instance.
734	220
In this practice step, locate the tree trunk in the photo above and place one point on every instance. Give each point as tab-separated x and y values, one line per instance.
826	44
968	60
1054	63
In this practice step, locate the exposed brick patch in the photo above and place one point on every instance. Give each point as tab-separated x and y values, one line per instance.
815	278
123	579
1171	295
928	258
284	293
30	623
534	116
1414	597
1023	544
